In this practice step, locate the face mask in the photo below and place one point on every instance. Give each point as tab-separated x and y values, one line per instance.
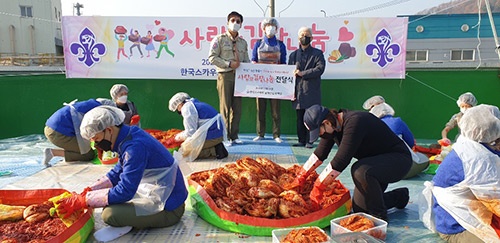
305	40
104	144
270	30
463	109
326	135
122	99
234	27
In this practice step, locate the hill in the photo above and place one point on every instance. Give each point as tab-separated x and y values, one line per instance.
461	7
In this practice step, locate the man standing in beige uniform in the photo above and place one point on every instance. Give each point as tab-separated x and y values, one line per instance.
226	52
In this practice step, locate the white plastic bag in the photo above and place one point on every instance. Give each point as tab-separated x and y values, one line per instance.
425	202
191	147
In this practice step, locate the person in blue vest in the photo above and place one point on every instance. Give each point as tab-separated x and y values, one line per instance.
145	189
269	50
386	113
63	130
461	201
204	131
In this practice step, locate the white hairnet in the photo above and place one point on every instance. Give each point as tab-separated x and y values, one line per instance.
467	98
116	89
271	21
481	123
176	100
373	101
382	110
105	101
100	118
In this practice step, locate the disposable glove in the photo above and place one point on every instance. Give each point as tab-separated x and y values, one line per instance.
324	181
311	164
134	120
444	142
179	137
67	206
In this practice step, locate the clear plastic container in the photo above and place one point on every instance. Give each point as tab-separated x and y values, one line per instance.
355	237
280	234
379	231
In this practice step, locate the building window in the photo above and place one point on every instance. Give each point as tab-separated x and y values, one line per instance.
416	55
27	11
462	55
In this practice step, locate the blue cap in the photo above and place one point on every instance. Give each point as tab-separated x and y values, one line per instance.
313	117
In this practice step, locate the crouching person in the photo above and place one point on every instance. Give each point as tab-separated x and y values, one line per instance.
203	128
145	189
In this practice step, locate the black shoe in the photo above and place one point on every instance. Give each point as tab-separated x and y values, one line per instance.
309	145
402	198
220	151
299	145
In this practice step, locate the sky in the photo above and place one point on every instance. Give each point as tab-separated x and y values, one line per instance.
250	8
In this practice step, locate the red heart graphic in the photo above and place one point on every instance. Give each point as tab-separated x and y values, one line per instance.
345	35
157	22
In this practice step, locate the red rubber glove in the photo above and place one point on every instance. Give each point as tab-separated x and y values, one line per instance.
325	179
444	142
316	194
311	164
134	120
84	193
67	206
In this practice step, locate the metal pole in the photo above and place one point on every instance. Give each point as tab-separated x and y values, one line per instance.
493	29
271	6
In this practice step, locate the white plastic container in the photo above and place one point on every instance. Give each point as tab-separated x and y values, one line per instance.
379	231
280	234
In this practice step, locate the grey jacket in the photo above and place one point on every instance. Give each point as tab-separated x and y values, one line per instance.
311	63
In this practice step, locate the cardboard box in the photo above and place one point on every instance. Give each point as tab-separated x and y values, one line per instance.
379	231
280	234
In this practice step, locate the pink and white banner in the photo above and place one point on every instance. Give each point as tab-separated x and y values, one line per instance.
177	47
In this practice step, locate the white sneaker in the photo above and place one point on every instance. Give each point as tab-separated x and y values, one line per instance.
278	140
258	138
238	141
227	143
47	156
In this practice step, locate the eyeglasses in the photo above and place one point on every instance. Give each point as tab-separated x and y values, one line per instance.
235	20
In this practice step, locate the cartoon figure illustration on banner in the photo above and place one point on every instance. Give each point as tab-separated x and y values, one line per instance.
121	36
163	37
345	50
148	41
135	37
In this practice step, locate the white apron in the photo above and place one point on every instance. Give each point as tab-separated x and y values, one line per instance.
154	190
191	147
473	201
76	118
